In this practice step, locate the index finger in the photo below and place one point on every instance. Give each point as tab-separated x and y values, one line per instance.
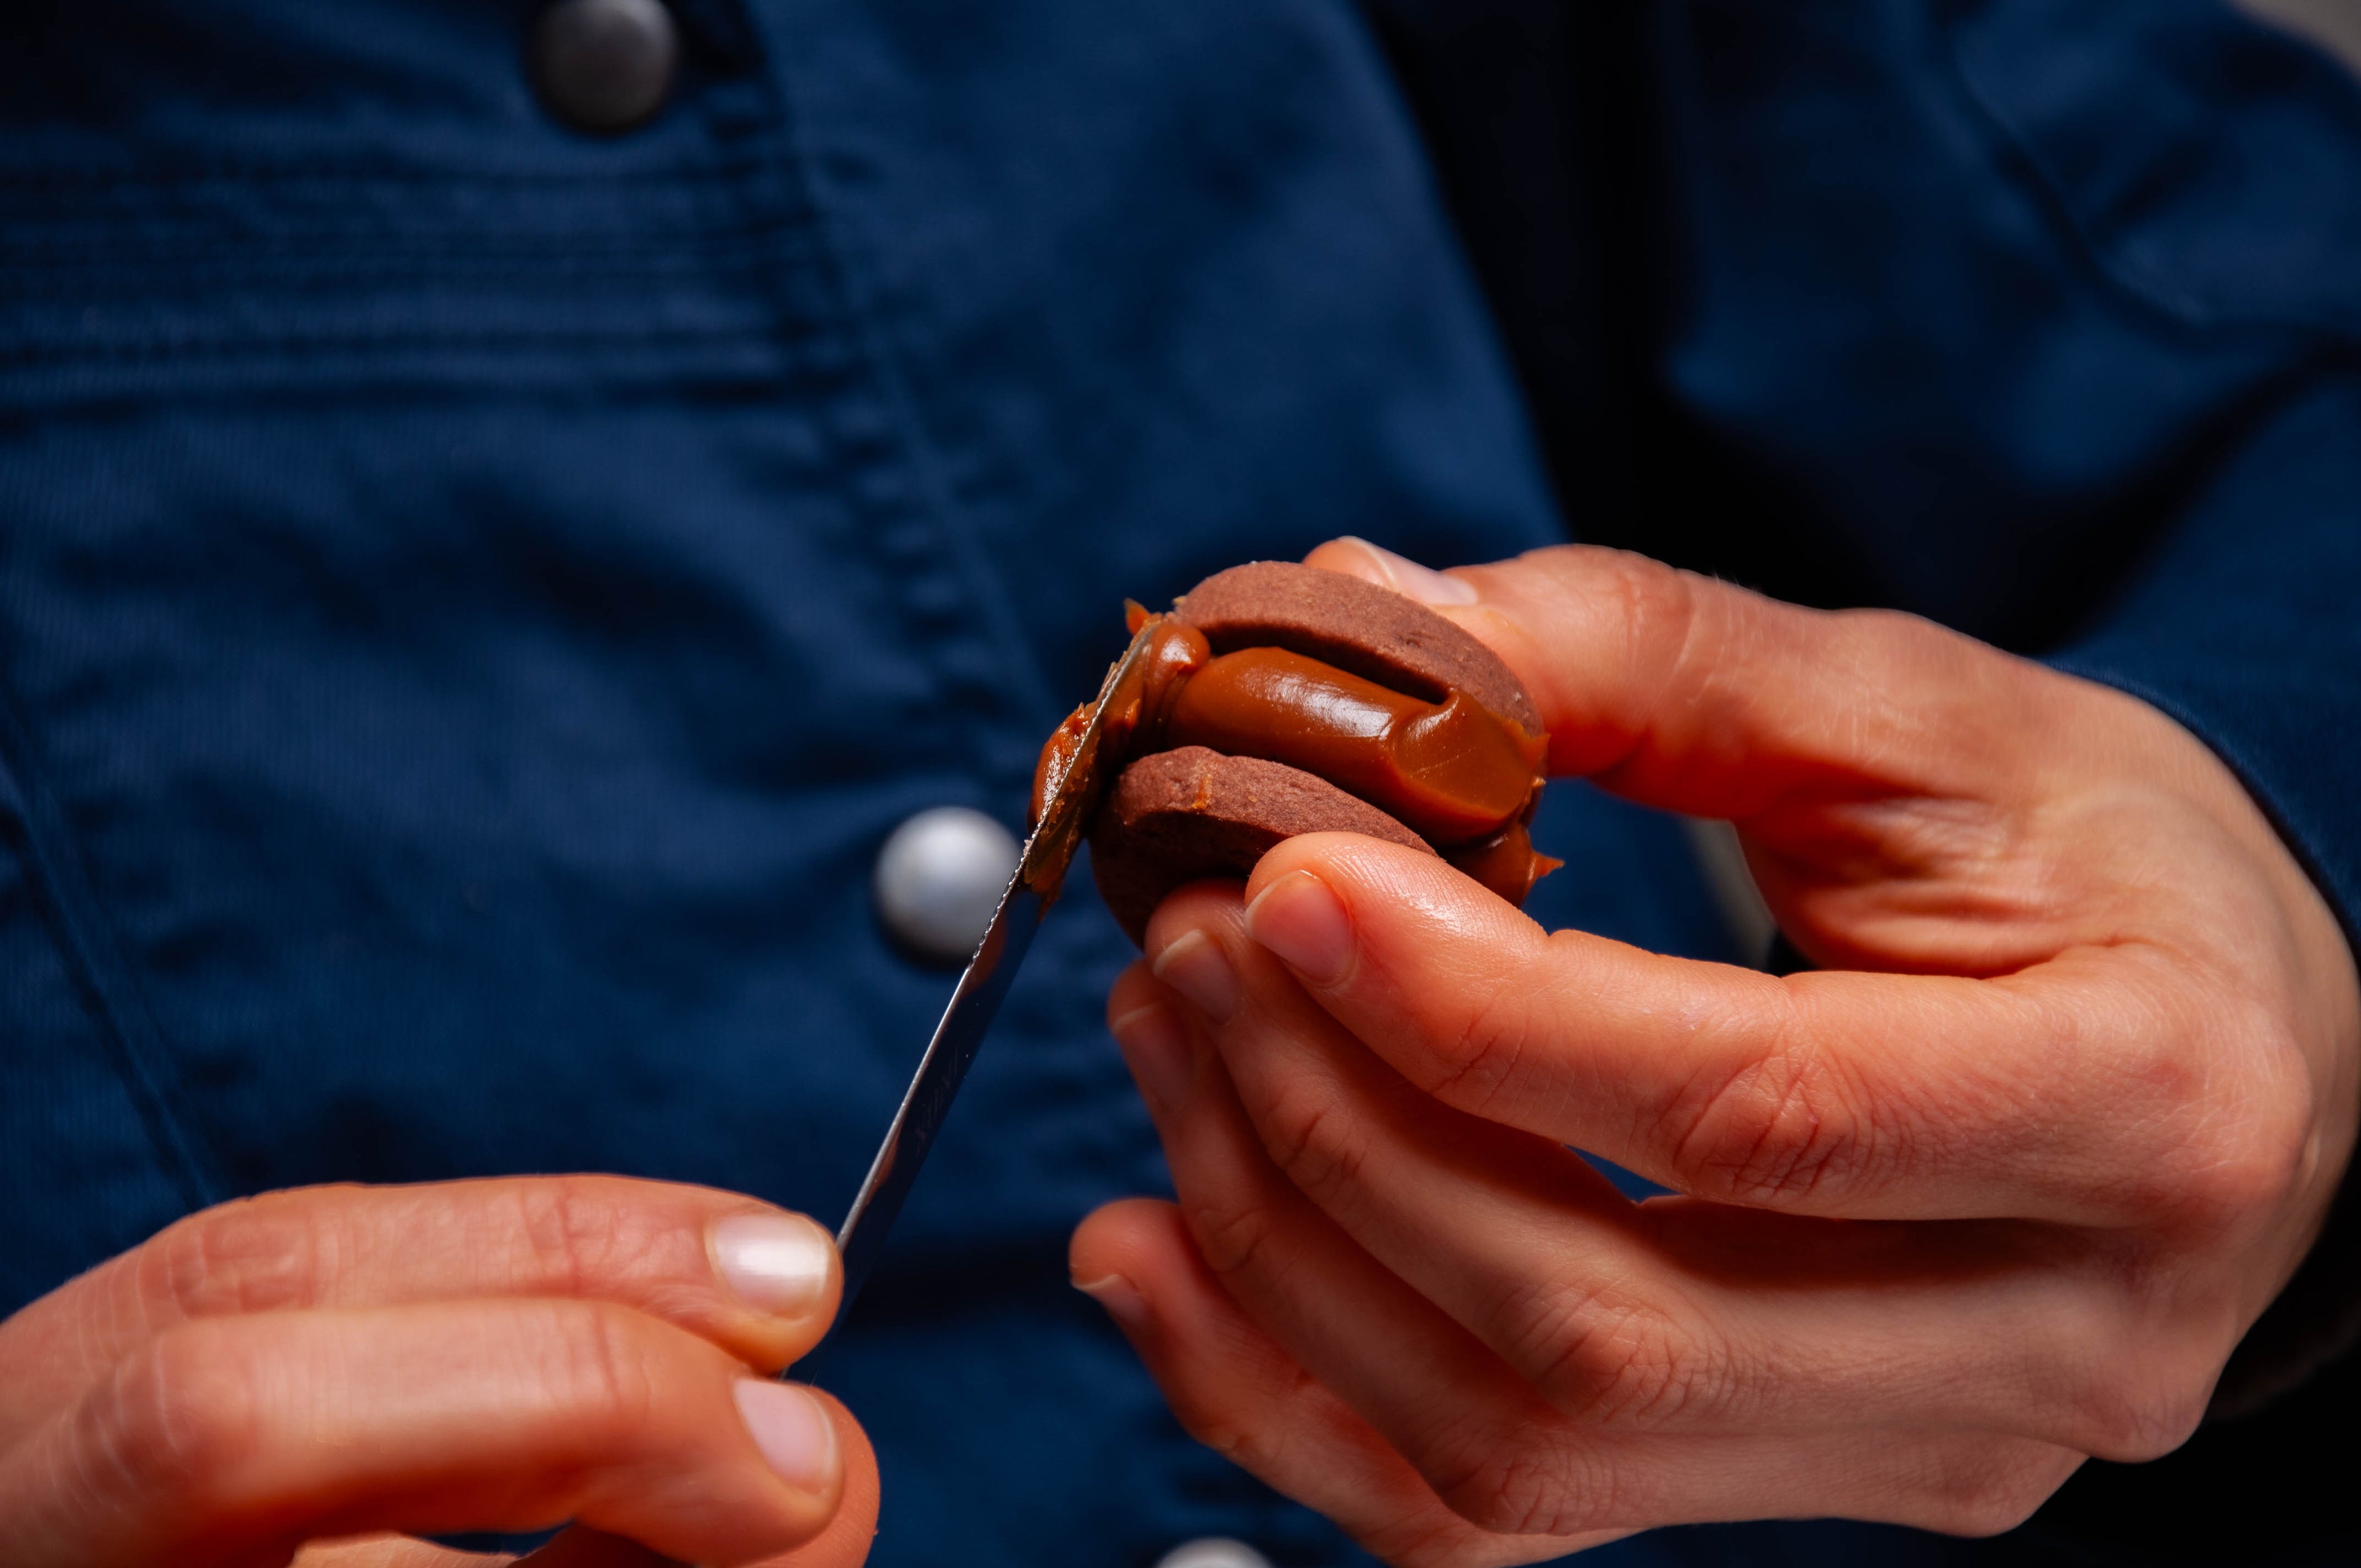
1698	696
757	1281
2061	1092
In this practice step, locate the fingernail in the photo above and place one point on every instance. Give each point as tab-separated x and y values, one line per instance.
776	1263
793	1431
1299	919
1121	1299
1406	577
1195	966
1159	1053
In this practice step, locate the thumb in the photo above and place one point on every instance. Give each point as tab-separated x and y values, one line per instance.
1688	693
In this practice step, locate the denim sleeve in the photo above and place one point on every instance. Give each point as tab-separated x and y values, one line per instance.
2244	624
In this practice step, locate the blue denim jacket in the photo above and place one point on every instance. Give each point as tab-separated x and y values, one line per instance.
474	597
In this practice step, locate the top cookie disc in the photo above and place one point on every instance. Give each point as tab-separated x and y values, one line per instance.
1356	626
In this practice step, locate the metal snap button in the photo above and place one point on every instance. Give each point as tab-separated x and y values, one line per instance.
1213	1552
604	65
939	877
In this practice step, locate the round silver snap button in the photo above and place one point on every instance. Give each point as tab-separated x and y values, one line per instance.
604	65
939	877
1213	1552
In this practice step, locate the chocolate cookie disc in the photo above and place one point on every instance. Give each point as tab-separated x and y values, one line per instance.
1358	627
1190	812
1283	699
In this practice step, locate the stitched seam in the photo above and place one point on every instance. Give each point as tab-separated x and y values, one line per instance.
360	255
174	247
876	348
87	947
159	346
715	174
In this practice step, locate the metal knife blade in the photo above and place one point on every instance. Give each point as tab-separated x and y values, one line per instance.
1039	871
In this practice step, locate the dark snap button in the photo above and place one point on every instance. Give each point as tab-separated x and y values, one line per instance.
604	65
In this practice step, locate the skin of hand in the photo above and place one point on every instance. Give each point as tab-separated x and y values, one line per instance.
316	1375
1998	1187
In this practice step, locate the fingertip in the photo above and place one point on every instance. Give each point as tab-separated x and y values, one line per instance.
780	1264
1375	564
1345	913
1134	989
1119	1254
1195	964
796	1435
1187	946
1163	1061
1357	869
1351	556
1311	852
1298	918
1122	1237
1120	1296
860	1495
845	1540
1192	905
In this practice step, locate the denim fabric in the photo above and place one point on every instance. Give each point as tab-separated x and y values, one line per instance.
474	597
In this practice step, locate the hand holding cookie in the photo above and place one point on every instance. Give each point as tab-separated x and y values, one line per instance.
2082	1044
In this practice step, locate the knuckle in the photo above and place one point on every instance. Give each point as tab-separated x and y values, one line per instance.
2248	1152
1314	1140
172	1423
1475	1053
255	1255
1239	1434
1425	1538
2236	1174
569	1232
586	1236
1606	1356
2136	1416
1990	1509
1783	1129
1527	1481
1660	608
1232	1238
2219	1110
599	1371
2135	1367
1239	1440
1992	1490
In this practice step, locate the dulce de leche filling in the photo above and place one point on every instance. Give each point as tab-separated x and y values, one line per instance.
1462	777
